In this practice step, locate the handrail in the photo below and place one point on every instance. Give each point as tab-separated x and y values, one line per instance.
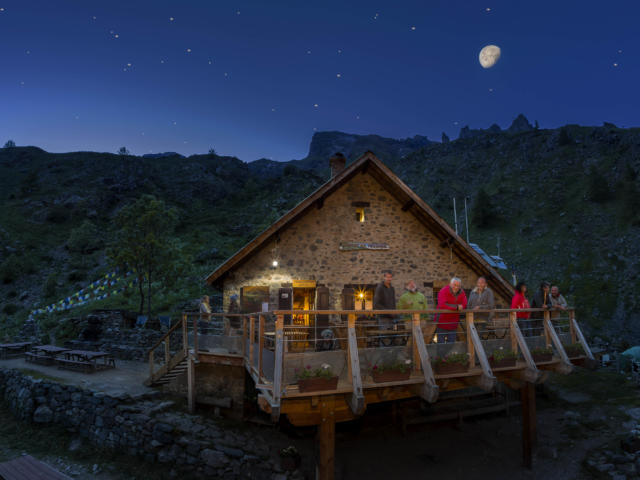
169	332
404	312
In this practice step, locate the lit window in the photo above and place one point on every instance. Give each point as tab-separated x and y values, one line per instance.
360	214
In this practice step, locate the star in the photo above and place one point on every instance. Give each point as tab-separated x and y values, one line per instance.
238	12
487	9
226	74
161	61
619	51
210	62
375	17
77	117
188	50
455	123
28	52
175	123
94	17
171	19
117	36
128	64
357	117
273	109
315	105
491	89
615	64
315	129
21	83
1	9
413	28
339	51
308	52
339	75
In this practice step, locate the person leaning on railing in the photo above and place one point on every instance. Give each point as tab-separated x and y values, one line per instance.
384	298
519	301
481	298
411	299
558	302
451	297
205	312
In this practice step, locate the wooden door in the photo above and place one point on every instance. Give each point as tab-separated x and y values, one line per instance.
285	302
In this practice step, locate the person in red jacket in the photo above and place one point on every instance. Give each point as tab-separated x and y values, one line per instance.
451	297
519	301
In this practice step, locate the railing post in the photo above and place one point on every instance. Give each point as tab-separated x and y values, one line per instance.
566	365
572	329
195	336
547	318
260	343
580	337
470	349
532	374
415	318
167	353
185	334
278	367
252	337
487	379
244	336
513	320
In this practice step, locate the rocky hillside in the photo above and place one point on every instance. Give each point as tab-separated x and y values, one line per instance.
564	203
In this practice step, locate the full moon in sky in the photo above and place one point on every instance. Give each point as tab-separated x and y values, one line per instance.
489	56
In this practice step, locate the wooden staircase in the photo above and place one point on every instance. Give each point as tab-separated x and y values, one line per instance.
172	366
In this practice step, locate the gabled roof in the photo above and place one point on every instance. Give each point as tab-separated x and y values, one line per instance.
410	201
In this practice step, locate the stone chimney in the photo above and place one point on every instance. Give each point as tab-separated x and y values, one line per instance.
337	163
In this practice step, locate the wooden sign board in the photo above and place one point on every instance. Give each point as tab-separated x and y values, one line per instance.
350	246
304	283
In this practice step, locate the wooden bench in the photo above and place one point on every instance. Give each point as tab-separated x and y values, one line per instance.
86	367
41	359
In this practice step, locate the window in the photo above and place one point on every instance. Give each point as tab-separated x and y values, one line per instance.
360	214
252	298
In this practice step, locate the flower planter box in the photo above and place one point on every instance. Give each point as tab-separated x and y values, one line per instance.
542	357
574	352
450	368
390	376
505	362
317	384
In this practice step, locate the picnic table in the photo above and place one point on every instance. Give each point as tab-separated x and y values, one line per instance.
86	361
8	350
45	354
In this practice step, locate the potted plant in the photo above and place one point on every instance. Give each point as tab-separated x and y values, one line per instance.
391	372
316	379
574	350
289	459
542	354
452	363
503	358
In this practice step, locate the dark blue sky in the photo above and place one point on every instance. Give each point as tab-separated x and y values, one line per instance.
256	70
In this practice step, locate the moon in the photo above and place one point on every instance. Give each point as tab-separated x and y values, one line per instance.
489	56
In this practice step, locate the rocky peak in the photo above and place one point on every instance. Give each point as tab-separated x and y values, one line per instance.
520	124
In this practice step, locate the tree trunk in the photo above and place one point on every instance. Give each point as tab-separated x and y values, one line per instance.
149	296
141	287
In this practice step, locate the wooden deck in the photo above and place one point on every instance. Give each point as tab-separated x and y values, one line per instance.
28	468
273	354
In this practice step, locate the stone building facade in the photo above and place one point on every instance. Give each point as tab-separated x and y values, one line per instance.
316	249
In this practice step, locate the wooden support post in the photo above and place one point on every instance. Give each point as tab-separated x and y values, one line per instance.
414	346
572	329
185	335
566	366
547	317
487	379
191	384
252	338
356	402
325	467
528	399
513	319
244	337
470	349
430	332
532	374
260	344
429	390
278	368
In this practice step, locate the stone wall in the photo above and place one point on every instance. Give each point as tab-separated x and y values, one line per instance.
141	426
309	249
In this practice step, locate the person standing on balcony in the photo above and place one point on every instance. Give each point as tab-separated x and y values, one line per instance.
519	301
411	299
451	297
542	299
558	302
481	298
384	298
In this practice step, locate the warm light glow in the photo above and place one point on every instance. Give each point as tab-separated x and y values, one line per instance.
361	295
360	214
275	263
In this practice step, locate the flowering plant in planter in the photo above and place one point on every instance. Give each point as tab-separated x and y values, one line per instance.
574	349
452	363
503	358
391	372
289	458
314	379
542	354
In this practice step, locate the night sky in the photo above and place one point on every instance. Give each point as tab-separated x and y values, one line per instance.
256	79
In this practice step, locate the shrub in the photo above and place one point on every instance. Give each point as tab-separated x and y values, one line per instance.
50	286
10	269
564	138
484	213
10	308
58	214
85	238
597	187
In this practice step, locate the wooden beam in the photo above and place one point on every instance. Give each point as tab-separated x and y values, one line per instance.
325	465
532	374
528	399
487	380
429	391
356	401
565	365
278	367
408	205
581	339
320	203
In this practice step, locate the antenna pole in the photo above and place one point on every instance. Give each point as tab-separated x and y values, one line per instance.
455	215
466	219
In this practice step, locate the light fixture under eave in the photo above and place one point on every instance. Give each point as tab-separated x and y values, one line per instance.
274	264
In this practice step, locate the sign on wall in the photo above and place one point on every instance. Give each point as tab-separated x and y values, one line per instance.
348	246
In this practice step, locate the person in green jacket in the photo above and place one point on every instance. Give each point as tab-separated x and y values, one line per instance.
411	299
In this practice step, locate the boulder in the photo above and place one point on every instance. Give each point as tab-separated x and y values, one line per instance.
43	414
